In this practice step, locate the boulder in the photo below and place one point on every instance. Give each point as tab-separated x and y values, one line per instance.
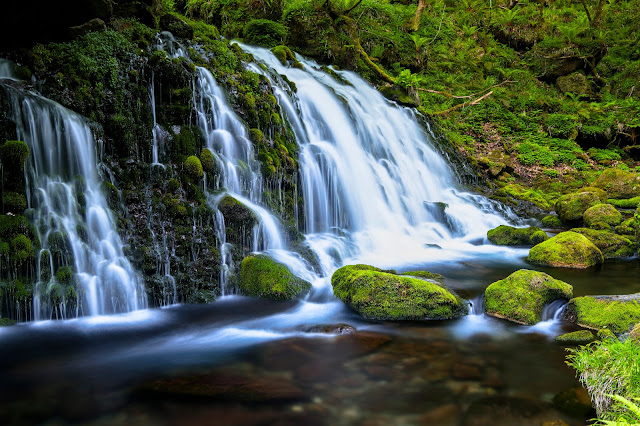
505	235
619	183
552	221
617	313
635	333
575	83
261	276
611	245
521	296
626	203
400	95
376	294
602	213
176	26
571	207
581	337
566	250
236	214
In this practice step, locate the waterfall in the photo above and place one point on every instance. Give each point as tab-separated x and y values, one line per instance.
70	213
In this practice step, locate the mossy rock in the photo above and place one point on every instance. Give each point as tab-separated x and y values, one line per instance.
14	202
193	167
64	275
5	322
611	245
602	213
571	207
634	334
380	295
261	276
617	313
400	95
176	26
265	32
236	214
575	83
606	334
552	221
522	296
505	235
619	183
630	203
13	155
426	275
207	160
285	56
566	250
581	337
21	249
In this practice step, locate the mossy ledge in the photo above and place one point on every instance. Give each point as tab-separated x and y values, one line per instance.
376	294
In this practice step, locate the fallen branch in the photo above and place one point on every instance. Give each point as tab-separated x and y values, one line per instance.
464	104
450	95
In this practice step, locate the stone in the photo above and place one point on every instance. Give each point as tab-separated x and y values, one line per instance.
401	96
617	313
566	250
505	235
581	337
575	402
611	246
571	207
619	183
176	26
604	213
94	25
262	276
575	83
552	221
376	294
522	296
634	334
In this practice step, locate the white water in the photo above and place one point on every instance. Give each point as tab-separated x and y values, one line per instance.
70	210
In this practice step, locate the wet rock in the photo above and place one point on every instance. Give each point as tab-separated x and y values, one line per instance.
566	250
552	221
602	213
619	183
376	294
261	276
401	96
463	371
444	415
581	337
571	207
497	410
332	329
522	296
617	313
611	246
575	402
176	26
96	24
505	235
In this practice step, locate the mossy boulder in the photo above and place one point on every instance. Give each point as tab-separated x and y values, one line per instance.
176	26
629	203
617	313
14	202
606	334
21	249
575	83
207	160
505	235
571	207
628	228
611	245
581	337
265	32
425	275
619	183
261	276
285	56
400	95
552	221
602	213
236	214
634	334
13	156
376	294
521	296
193	167
566	250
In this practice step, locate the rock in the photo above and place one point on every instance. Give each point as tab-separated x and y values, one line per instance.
617	313
611	245
619	183
444	415
261	276
605	213
566	250
581	337
425	275
236	214
521	296
96	24
628	228
628	203
635	333
176	26
504	410
575	402
331	329
552	221
575	83
401	96
606	334
571	207
376	294
505	235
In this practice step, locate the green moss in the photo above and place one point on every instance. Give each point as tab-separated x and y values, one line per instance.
21	249
604	213
207	160
630	203
112	194
13	155
64	275
193	167
256	136
606	334
599	312
566	250
14	202
426	275
265	32
284	55
552	221
611	245
517	191
571	207
236	215
261	276
5	322
505	235
619	183
173	184
375	294
521	296
581	337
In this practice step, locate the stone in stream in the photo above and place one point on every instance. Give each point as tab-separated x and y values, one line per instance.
575	402
504	410
566	250
376	294
505	235
521	296
261	276
580	337
571	207
617	313
602	213
611	246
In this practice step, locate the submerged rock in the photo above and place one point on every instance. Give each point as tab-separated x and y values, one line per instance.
580	337
575	402
521	296
619	183
611	245
261	276
505	235
566	250
602	213
376	294
617	313
571	207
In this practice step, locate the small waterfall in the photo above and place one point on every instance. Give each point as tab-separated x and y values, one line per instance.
553	311
70	213
157	132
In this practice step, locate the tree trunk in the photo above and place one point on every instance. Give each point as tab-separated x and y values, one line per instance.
414	24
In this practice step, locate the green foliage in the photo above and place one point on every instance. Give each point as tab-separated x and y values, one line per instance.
64	275
21	249
207	160
14	202
265	32
193	167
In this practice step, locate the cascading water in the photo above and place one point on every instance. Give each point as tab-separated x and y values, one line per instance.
70	213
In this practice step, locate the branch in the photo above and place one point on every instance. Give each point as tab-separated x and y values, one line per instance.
450	95
476	102
346	12
586	9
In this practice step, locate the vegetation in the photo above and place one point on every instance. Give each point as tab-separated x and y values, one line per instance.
580	337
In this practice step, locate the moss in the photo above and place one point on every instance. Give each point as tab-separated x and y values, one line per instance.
112	194
14	202
285	55
193	167
619	183
5	322
426	275
598	312
604	213
173	184
236	214
21	249
375	294
521	296
566	250
261	276
581	337
64	275
552	221
265	32
606	334
13	155
630	203
571	207
517	191
629	228
611	245
505	235
207	160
